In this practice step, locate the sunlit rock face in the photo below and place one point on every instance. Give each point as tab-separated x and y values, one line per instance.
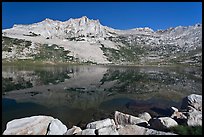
49	28
88	40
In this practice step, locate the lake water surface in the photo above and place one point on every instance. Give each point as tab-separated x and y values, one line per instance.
77	95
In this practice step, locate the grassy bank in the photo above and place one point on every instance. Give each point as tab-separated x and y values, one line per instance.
28	62
40	63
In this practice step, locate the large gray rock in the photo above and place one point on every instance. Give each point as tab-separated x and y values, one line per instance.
162	123
125	119
194	117
110	130
35	125
101	124
74	130
87	132
56	127
192	100
146	116
156	132
137	130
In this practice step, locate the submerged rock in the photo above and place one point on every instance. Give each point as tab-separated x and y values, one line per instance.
35	125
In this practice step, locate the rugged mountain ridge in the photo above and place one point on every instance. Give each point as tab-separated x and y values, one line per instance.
86	40
48	28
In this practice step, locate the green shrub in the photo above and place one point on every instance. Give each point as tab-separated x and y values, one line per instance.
187	130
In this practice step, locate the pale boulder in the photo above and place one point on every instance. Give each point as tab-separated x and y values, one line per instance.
74	130
100	124
35	125
87	132
163	123
56	127
138	130
125	119
110	130
192	100
194	117
146	116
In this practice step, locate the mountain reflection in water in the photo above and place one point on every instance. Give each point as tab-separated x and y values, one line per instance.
80	94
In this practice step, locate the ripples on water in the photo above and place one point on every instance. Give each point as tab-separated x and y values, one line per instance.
80	94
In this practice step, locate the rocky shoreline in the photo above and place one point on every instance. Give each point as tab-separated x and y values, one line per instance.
189	114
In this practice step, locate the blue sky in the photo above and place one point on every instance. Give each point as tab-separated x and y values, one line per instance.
118	15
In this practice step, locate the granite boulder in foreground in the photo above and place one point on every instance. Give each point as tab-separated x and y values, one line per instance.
56	127
125	119
192	100
46	125
35	125
138	130
193	106
122	124
163	123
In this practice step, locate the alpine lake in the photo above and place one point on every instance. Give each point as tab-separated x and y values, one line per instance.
80	94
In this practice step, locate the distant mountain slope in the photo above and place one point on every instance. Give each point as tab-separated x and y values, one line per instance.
86	40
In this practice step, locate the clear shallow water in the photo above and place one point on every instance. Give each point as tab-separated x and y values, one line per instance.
80	94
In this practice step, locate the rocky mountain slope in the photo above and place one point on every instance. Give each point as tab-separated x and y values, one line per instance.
84	40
